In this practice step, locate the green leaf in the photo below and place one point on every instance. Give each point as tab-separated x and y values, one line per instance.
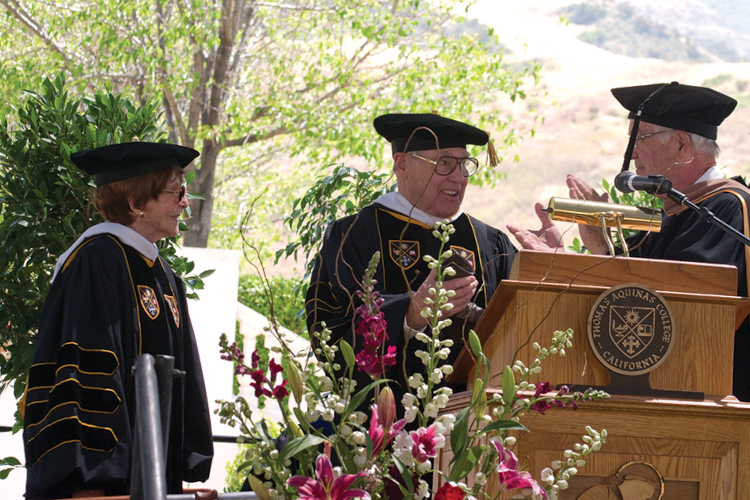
348	353
405	476
346	456
498	425
190	177
460	434
465	463
244	465
4	473
361	396
11	461
264	432
297	445
509	386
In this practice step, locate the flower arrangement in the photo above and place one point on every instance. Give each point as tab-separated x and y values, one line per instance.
329	450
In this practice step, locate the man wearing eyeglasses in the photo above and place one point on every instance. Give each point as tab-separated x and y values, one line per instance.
677	139
432	168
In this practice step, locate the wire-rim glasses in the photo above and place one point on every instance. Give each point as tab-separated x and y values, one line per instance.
180	194
445	165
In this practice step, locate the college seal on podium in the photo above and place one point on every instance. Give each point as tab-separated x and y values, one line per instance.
631	329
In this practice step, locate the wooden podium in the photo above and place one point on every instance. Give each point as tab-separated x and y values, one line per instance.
701	448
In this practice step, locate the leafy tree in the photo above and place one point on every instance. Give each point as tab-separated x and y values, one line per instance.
44	202
298	77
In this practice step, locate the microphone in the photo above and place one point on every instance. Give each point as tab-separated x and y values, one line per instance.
627	182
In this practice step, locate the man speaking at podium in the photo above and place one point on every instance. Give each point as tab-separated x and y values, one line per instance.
676	138
432	168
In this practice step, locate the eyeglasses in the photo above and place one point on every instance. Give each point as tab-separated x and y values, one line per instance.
445	165
180	194
640	137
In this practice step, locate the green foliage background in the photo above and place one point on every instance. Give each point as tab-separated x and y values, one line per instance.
288	300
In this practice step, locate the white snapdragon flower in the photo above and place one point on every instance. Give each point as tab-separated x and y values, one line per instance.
548	476
410	413
360	459
416	381
408	399
431	410
359	438
327	415
423	491
424	467
447	421
326	384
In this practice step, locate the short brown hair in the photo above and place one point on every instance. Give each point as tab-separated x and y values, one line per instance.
113	199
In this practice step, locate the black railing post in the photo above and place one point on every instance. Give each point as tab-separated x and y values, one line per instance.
148	478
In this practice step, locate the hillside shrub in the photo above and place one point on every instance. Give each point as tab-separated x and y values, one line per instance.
288	300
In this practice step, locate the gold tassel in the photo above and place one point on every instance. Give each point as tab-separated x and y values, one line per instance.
492	158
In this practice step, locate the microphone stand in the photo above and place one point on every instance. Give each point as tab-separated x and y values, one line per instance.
707	215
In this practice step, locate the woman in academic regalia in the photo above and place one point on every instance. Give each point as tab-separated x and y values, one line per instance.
112	298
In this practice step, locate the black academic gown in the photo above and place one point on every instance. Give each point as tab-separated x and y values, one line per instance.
108	305
686	237
336	277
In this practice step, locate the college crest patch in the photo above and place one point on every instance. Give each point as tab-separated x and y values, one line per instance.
148	301
404	253
466	254
172	304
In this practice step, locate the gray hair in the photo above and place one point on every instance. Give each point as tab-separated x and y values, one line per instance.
418	153
702	145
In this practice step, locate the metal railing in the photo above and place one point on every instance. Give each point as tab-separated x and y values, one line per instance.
153	392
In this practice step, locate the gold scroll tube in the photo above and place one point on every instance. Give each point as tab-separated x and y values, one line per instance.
606	215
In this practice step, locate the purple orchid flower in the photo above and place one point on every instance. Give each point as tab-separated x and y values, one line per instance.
326	487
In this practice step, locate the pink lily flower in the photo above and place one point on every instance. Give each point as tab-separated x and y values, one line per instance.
381	434
510	477
326	487
425	443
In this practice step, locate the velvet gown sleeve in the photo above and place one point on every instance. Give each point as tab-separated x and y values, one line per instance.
76	423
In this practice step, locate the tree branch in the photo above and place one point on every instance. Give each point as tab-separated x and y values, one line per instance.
251	138
17	11
177	116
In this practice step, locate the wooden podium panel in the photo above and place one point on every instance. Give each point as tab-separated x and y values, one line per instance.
523	312
701	448
599	270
